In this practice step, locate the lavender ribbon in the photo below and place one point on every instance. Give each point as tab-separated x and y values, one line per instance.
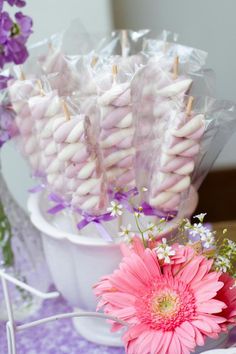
60	204
87	218
97	219
149	210
37	188
123	197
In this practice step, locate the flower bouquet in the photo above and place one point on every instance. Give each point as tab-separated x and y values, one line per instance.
173	295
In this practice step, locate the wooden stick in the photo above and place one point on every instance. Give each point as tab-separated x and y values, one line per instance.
114	72
66	110
189	105
176	68
94	61
124	41
22	74
41	90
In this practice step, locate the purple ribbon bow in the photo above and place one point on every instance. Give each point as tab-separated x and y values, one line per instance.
37	189
87	218
60	204
149	210
123	197
97	219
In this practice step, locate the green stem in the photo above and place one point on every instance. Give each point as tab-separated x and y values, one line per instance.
5	238
141	232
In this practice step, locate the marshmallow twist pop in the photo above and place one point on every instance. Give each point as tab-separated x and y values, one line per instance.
177	160
85	183
162	90
159	92
117	132
44	108
20	91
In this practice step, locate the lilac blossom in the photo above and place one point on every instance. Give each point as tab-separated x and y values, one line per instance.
14	33
18	3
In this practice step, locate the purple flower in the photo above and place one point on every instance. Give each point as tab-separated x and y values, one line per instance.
22	29
14	35
18	3
5	27
12	47
16	52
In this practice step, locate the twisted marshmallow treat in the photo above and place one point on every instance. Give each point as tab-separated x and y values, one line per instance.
177	162
117	133
20	91
83	181
44	108
160	95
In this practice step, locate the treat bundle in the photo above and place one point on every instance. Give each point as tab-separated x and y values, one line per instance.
130	116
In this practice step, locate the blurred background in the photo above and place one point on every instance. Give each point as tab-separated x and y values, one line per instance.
209	25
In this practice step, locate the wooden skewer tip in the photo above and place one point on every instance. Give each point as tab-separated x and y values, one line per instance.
66	110
114	70
41	90
176	67
22	74
189	105
94	61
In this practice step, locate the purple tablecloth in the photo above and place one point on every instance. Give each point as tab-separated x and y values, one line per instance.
57	337
60	337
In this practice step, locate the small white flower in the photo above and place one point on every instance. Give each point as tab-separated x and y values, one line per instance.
208	239
222	264
163	251
187	225
231	247
138	213
200	217
144	189
115	209
126	233
198	230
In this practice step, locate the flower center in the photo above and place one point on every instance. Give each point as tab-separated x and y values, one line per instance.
168	303
165	304
15	30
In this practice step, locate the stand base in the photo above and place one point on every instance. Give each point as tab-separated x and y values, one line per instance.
97	330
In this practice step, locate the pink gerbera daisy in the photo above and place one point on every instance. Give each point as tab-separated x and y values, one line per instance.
169	309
